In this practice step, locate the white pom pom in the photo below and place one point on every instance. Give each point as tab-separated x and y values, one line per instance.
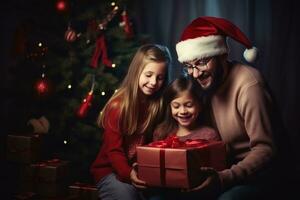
250	55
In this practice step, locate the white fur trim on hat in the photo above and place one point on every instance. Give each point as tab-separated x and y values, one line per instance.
201	47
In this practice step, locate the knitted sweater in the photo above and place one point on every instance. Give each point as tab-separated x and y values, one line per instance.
116	151
240	110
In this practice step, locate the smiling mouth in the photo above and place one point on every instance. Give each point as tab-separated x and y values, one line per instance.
150	88
204	76
185	118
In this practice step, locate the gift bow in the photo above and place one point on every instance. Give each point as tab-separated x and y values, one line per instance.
174	142
100	49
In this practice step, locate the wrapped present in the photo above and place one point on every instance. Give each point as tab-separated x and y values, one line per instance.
83	191
53	170
23	148
26	196
52	189
26	186
176	164
48	178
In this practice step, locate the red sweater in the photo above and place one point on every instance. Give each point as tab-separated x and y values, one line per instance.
116	150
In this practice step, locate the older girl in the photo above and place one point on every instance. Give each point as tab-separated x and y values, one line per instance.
128	118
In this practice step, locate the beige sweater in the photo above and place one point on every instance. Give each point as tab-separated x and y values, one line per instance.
241	110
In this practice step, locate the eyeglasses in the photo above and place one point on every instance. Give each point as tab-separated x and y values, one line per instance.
199	65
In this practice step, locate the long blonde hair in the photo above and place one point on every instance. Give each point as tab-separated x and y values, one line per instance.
127	99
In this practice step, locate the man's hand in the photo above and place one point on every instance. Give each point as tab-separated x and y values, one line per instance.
135	180
211	185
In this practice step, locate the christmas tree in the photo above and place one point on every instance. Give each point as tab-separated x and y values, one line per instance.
80	61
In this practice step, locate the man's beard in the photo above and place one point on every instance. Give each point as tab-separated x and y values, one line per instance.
217	79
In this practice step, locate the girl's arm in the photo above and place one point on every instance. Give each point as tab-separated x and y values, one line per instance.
113	140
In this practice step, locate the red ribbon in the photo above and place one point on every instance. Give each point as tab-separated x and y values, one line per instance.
162	167
100	50
83	191
83	186
174	142
52	162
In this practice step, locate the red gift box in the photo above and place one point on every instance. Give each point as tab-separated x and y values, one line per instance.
83	191
25	196
175	164
47	178
24	148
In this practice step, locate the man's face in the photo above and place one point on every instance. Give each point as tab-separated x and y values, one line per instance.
204	71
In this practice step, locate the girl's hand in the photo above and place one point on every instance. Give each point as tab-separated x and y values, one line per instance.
135	180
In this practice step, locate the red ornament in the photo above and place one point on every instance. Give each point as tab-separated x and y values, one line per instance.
84	107
70	35
42	87
62	5
127	25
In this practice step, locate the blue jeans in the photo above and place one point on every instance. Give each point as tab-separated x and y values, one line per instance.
174	194
110	188
243	192
239	192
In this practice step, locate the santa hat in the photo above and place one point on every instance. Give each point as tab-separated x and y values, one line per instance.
205	37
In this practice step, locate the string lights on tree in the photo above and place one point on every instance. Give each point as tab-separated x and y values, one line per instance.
73	66
100	51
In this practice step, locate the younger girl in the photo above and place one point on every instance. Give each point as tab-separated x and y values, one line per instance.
127	118
183	105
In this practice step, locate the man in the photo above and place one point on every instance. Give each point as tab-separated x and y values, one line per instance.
240	106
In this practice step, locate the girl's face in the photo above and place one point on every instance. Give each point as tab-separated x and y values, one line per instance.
185	110
152	78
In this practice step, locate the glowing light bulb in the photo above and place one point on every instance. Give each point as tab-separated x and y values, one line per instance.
65	142
40	44
113	65
69	86
102	93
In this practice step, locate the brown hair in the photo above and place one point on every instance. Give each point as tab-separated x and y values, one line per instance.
173	91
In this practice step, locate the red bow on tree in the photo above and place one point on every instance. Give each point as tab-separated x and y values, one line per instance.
100	49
